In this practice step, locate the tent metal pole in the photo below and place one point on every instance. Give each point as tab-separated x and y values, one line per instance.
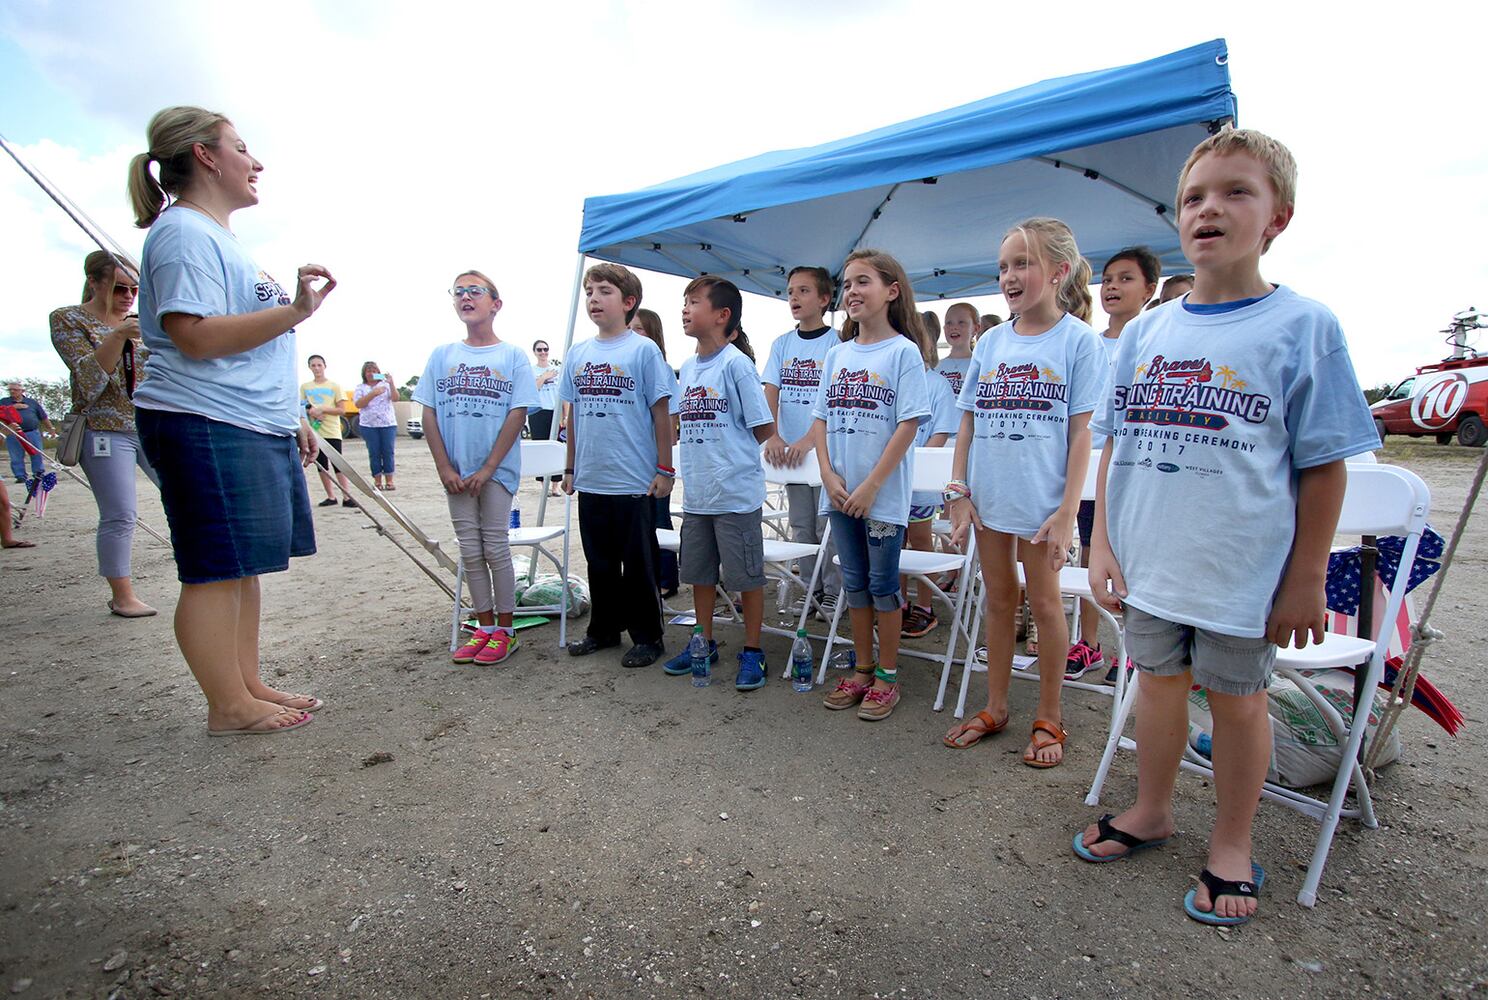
877	211
568	336
1165	211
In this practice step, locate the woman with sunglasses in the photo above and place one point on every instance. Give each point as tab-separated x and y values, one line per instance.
540	418
219	416
99	342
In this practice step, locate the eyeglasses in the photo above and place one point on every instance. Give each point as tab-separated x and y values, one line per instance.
474	291
126	289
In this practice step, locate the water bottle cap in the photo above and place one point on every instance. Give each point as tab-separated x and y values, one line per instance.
800	633
697	630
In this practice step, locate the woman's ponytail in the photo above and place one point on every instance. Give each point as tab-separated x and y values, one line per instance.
146	196
173	133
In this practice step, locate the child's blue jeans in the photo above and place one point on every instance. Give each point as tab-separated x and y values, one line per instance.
869	552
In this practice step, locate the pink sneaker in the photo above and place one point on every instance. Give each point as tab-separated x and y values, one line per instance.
501	646
473	645
1082	657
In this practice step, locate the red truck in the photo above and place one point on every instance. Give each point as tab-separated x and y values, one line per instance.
1446	399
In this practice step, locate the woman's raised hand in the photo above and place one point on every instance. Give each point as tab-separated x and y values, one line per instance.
308	297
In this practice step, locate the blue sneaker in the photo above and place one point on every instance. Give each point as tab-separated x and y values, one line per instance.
751	670
682	662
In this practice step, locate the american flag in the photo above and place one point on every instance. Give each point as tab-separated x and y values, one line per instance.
1345	588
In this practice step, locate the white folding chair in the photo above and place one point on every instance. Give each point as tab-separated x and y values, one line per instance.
932	469
539	458
1379	500
1074	581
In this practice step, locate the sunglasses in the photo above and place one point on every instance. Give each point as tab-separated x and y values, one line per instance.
126	289
474	291
539	350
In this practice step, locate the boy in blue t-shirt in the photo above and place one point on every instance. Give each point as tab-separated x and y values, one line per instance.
792	376
1231	415
619	457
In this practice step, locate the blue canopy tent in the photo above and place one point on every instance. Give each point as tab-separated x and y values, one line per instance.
1099	150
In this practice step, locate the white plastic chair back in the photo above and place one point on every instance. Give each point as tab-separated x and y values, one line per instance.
932	468
1092	473
1363	458
543	458
808	473
1383	500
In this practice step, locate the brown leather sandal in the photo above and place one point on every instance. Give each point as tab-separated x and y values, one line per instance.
978	726
1044	728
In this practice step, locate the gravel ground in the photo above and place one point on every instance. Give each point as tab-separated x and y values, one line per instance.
566	827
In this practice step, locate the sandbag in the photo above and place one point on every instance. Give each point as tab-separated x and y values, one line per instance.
547	590
1304	751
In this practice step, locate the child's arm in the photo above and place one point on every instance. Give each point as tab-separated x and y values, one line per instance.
831	482
937	440
510	431
861	500
572	433
963	513
1300	601
776	449
1107	584
1059	529
661	420
447	474
765	432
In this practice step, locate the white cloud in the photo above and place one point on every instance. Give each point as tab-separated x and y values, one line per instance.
405	142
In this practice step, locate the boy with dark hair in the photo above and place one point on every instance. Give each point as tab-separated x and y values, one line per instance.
792	375
324	405
1231	415
619	457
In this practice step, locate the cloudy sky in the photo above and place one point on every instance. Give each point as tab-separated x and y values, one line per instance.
403	142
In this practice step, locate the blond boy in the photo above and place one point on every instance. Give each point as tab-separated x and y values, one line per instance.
1231	415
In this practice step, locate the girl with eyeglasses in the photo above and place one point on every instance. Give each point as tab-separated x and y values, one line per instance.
476	393
98	340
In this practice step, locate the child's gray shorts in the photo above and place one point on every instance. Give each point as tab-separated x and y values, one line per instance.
1228	664
733	541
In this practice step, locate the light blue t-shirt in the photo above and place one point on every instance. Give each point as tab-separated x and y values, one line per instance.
547	393
721	401
795	367
953	372
1210	420
867	391
944	419
471	390
612	385
193	266
1022	391
1109	345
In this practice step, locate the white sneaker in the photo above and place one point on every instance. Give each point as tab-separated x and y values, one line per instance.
826	606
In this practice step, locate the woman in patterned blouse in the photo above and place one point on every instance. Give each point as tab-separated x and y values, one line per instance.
99	341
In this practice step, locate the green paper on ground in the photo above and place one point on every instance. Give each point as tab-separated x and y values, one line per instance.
527	621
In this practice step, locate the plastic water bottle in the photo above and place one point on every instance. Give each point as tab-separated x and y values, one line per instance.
845	659
516	518
801	662
697	650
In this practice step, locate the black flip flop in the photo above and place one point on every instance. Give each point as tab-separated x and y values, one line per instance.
1109	832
